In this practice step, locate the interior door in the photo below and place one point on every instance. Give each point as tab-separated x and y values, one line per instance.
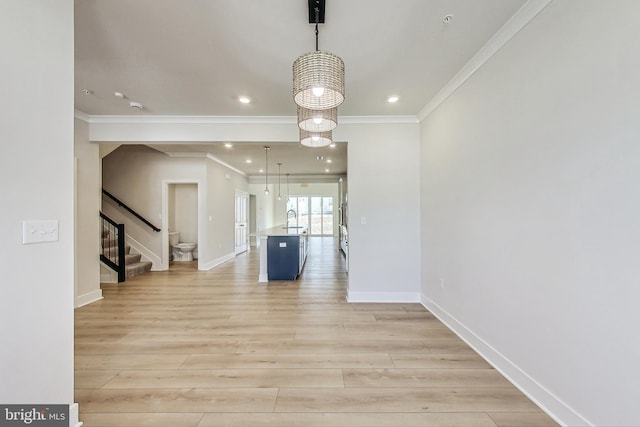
242	221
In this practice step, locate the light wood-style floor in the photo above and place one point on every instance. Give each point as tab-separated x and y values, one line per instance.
190	348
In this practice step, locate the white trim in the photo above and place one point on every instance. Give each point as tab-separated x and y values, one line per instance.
541	396
274	120
299	179
186	154
147	253
517	22
408	297
82	300
356	120
201	155
73	415
227	165
216	262
243	120
82	116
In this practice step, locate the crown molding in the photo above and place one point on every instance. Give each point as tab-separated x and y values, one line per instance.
356	120
517	22
201	155
225	164
81	116
273	120
328	178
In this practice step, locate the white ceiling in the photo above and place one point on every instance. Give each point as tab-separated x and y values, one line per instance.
196	57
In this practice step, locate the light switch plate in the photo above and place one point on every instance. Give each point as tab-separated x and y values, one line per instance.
39	231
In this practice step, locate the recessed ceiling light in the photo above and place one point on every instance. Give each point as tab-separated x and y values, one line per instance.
327	170
448	18
329	161
261	170
136	105
228	145
244	99
332	146
248	161
118	95
320	157
392	99
87	91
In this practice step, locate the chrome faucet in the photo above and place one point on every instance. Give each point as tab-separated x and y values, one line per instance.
295	215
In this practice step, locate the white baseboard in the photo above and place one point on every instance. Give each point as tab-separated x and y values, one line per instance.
146	253
209	265
73	416
408	297
545	399
88	298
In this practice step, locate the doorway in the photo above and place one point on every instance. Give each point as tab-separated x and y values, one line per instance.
241	222
181	219
314	212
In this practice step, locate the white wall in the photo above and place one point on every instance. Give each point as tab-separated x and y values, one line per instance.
530	211
185	211
36	175
137	174
87	207
384	178
265	206
221	193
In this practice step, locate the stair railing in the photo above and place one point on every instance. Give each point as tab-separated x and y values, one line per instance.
112	246
128	209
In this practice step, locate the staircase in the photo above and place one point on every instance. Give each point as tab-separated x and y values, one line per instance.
116	257
133	262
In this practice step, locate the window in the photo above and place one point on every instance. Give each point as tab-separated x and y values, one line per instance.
314	212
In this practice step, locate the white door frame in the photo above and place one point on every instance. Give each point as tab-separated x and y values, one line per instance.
165	218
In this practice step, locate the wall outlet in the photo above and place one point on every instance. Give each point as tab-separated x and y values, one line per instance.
441	283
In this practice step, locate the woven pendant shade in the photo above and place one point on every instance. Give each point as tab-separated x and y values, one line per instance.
315	139
317	120
318	70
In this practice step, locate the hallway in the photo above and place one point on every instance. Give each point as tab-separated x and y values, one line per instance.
188	348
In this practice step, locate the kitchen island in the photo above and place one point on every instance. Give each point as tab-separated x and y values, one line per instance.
283	251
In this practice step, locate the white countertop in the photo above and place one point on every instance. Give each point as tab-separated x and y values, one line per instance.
283	230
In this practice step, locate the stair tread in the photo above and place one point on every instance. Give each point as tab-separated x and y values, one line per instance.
138	268
132	258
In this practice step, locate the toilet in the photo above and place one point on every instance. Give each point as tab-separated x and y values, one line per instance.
180	251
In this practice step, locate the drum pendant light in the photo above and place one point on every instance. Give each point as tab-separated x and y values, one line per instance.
318	76
317	120
315	139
